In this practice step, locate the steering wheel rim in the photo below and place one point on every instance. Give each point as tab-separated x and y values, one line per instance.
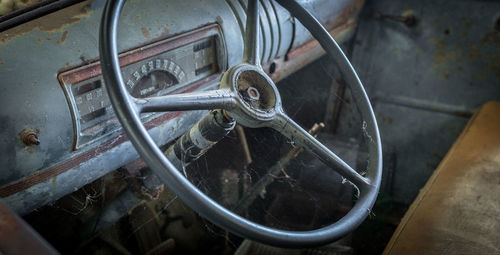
128	109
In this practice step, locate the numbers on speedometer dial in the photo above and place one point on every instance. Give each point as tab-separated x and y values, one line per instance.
153	77
153	83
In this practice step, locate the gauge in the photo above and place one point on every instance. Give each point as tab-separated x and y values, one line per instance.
154	77
153	83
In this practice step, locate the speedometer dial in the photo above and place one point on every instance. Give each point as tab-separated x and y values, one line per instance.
155	76
153	83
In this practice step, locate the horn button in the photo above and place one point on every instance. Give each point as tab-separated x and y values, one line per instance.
255	90
257	95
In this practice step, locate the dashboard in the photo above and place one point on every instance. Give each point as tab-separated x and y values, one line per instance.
57	128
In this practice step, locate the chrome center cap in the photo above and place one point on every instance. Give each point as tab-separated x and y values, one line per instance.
257	97
254	89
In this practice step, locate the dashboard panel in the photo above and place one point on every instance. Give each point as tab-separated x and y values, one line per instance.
170	66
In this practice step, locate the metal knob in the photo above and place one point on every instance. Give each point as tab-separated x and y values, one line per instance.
30	136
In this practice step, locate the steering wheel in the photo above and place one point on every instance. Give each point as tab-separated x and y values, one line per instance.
268	112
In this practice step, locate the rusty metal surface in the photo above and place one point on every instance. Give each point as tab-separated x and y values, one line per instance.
24	11
30	136
58	21
426	80
17	237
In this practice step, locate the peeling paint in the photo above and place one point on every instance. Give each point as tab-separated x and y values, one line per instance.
50	23
442	55
145	33
63	37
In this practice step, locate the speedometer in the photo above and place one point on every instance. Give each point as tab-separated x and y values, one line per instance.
153	83
169	66
155	76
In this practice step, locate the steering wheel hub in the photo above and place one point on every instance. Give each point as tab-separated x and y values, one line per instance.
256	94
255	90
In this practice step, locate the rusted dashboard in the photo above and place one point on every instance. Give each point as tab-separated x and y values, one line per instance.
175	65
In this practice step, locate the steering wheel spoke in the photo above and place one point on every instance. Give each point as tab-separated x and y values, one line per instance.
252	50
293	131
198	100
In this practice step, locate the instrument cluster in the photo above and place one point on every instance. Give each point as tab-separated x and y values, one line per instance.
175	65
